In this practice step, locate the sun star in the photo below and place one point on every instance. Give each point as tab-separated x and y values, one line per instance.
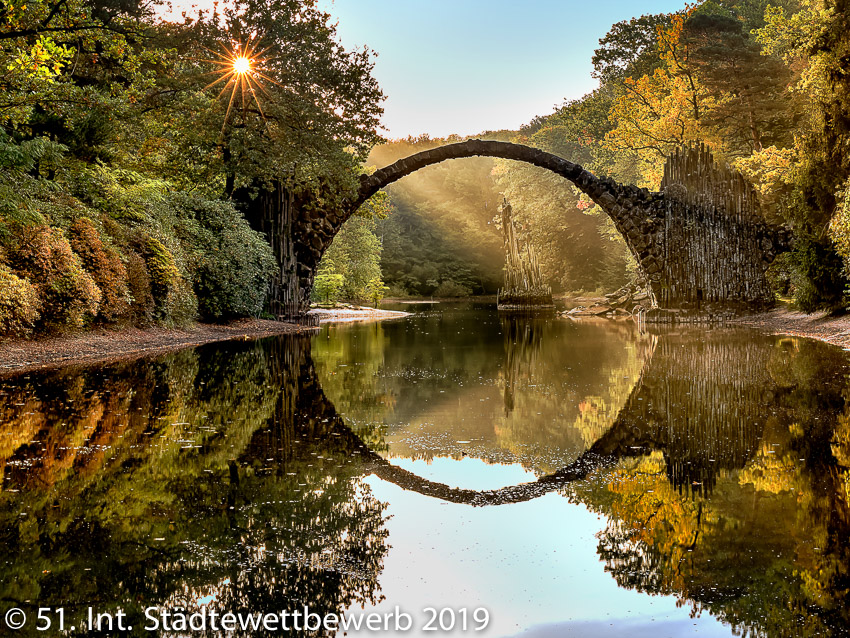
241	70
242	64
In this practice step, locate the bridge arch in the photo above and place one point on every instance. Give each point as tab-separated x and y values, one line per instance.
690	255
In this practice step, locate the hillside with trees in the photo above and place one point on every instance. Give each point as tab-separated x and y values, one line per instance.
762	83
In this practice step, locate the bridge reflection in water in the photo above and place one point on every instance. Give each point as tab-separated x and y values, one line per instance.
226	475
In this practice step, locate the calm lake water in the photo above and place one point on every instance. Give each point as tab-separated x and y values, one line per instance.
539	476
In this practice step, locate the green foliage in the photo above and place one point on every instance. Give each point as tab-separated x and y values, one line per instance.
441	227
752	108
230	263
161	268
839	231
327	286
449	288
375	290
19	304
355	256
818	278
629	48
69	295
312	123
812	39
104	116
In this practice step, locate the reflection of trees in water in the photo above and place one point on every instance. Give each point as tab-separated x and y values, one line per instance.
226	472
704	404
350	371
204	473
523	336
541	376
741	510
440	377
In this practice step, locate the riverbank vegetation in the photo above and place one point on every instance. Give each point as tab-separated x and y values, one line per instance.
130	148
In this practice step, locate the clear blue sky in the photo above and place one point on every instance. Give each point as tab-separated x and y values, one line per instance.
465	66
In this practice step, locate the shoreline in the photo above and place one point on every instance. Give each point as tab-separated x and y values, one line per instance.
783	321
116	344
106	345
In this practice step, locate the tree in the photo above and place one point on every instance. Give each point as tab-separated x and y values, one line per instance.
354	255
752	108
813	42
655	115
659	111
327	285
629	49
375	290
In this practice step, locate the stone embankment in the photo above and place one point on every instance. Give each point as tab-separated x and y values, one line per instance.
630	300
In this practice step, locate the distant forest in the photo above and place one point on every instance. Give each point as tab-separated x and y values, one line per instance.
443	236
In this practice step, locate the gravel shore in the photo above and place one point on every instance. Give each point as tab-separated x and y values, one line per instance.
361	313
834	330
122	343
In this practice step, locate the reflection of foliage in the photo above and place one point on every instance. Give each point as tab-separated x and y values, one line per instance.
499	382
206	472
349	366
766	549
649	511
540	380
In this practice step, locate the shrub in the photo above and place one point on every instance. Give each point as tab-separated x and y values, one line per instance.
69	294
397	290
19	304
449	288
230	263
818	280
139	287
105	267
161	268
181	304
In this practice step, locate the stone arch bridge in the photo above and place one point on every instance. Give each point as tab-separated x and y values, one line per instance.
699	242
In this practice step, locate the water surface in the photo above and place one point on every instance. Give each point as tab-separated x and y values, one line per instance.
571	478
